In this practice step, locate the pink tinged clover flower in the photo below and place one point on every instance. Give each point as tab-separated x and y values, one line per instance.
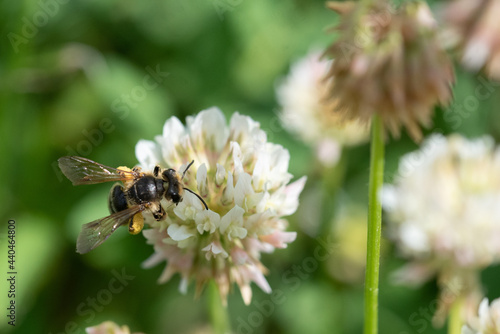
307	111
245	182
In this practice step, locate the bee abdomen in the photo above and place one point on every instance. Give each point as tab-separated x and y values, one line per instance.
117	201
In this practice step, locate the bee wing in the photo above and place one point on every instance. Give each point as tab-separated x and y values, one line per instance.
95	233
84	171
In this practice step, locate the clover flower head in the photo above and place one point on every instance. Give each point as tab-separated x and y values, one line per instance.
306	111
389	62
243	179
443	212
445	200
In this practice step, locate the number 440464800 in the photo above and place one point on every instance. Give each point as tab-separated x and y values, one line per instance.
11	239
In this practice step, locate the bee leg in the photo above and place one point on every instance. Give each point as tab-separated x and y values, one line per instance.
136	224
159	214
156	171
136	169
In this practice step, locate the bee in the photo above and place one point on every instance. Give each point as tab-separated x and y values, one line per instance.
141	191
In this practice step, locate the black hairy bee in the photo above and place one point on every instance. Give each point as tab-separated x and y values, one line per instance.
140	191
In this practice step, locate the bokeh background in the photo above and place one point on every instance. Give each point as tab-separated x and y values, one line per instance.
71	78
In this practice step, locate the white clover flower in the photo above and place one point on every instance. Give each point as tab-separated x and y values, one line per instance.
305	112
444	213
245	182
488	321
108	327
444	205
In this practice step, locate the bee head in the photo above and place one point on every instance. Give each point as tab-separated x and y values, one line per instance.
170	175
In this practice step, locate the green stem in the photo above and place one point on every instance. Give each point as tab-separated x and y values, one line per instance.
218	312
455	317
374	227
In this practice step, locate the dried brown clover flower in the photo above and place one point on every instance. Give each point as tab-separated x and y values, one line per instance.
474	27
388	62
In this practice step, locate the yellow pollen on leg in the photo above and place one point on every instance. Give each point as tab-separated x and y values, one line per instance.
136	224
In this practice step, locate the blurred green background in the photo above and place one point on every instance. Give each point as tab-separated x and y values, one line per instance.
70	72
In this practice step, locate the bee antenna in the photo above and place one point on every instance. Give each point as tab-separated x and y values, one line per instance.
201	199
185	170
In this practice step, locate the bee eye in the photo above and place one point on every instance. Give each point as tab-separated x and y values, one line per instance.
176	198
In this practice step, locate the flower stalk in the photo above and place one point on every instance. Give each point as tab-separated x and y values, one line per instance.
455	317
374	227
218	312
